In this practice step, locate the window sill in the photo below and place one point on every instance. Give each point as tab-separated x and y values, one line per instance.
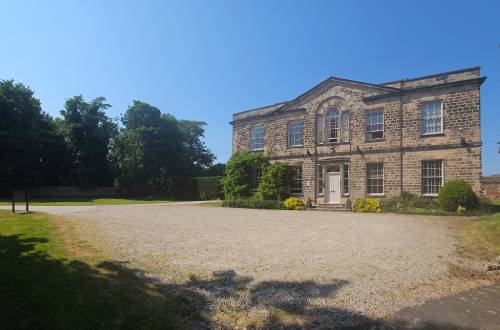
257	150
430	195
375	140
423	136
297	146
375	195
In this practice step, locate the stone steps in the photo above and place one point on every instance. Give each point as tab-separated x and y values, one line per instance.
330	207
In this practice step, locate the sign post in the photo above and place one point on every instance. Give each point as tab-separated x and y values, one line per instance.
20	196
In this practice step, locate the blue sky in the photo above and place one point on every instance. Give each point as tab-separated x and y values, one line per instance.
205	60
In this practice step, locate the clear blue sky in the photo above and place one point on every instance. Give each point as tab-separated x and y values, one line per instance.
205	60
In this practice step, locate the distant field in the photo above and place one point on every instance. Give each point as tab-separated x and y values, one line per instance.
89	201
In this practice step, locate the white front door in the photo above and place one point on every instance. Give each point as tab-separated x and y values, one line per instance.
333	187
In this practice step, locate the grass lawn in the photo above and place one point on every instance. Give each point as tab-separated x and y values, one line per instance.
50	281
87	201
485	234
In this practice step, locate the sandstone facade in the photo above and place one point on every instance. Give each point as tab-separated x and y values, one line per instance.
427	131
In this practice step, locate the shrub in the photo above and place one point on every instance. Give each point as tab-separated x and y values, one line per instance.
411	200
276	181
251	203
367	205
461	209
293	203
455	193
238	178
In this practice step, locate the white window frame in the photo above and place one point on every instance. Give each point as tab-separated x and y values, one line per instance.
329	114
367	125
292	136
295	180
321	180
383	180
344	179
422	117
422	176
253	138
345	126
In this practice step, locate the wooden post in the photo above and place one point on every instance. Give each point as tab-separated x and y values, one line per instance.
13	204
26	197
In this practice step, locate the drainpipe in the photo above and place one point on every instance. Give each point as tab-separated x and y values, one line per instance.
401	139
315	130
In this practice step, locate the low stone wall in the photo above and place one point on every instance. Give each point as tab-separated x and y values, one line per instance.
50	191
491	186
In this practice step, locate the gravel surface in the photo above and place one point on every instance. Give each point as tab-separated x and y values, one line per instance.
262	267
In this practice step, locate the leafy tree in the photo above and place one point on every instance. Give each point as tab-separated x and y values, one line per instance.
88	132
238	179
276	182
154	148
31	150
215	170
197	156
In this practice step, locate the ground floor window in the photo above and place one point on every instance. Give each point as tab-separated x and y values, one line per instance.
297	181
375	178
321	183
432	176
256	174
346	179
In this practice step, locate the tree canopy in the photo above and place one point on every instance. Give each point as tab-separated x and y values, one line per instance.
85	147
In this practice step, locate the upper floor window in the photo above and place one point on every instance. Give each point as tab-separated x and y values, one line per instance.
295	133
374	124
345	127
432	177
375	178
257	138
332	125
431	114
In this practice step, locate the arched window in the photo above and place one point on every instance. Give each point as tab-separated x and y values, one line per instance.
332	125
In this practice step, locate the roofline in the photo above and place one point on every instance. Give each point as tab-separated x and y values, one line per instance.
260	108
479	80
432	75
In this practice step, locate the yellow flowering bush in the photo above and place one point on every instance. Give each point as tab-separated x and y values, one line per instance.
461	209
293	203
367	205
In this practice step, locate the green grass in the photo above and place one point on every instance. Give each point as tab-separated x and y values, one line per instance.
48	281
87	201
485	233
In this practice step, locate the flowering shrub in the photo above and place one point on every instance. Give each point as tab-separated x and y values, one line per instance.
366	205
460	209
293	203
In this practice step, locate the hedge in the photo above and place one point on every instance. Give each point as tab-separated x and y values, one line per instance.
198	188
252	203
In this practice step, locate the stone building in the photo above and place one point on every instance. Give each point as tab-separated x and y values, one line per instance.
351	139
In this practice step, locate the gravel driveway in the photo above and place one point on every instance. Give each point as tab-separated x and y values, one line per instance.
311	269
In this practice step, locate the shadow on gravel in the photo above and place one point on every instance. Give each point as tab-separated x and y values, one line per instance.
37	291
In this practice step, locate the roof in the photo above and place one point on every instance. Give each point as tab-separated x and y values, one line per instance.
383	90
493	179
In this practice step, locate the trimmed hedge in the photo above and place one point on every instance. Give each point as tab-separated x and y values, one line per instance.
198	188
252	203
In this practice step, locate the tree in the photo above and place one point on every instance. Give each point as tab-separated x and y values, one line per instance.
238	179
31	150
276	182
197	156
154	148
215	170
88	132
